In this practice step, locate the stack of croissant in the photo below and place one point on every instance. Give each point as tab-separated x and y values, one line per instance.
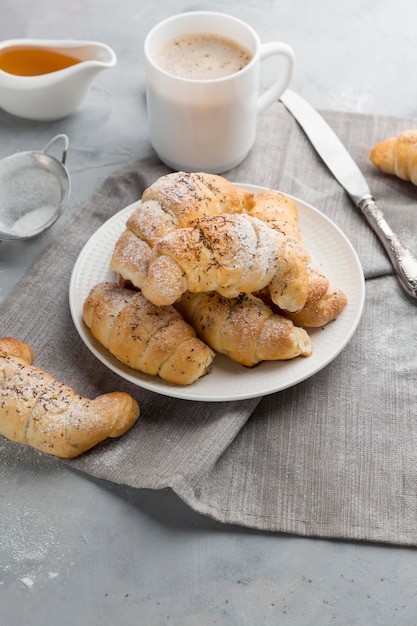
204	266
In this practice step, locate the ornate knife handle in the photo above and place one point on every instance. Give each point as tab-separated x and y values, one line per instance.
402	259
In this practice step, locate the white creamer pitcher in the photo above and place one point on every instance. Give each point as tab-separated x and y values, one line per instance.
48	79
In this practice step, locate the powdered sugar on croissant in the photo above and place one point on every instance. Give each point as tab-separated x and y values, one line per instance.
197	233
243	328
226	253
130	258
150	339
39	411
186	197
324	301
280	212
180	199
175	201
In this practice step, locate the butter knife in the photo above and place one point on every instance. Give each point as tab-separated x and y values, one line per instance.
349	176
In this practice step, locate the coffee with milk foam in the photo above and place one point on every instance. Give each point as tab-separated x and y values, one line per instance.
201	56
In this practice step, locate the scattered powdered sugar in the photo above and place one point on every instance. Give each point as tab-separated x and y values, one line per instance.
23	541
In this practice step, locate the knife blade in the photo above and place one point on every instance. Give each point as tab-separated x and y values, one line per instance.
341	164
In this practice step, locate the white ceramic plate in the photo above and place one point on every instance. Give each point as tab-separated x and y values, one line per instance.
330	251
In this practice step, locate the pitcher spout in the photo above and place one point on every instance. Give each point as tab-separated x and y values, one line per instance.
94	54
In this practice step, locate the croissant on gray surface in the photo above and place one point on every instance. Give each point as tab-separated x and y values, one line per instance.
39	411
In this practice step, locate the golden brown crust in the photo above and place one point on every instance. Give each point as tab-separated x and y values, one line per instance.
19	349
150	221
145	337
288	290
243	328
397	155
39	411
207	235
230	254
173	202
321	312
188	196
130	258
280	212
324	302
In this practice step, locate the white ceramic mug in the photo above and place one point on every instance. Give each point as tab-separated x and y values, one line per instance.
208	125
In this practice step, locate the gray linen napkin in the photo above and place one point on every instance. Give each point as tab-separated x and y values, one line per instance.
334	456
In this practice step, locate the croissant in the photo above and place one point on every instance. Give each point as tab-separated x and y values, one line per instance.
324	301
225	253
130	258
150	339
243	328
397	155
186	197
177	200
38	411
150	222
280	212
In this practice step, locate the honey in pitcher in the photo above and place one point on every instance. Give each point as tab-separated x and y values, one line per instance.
32	61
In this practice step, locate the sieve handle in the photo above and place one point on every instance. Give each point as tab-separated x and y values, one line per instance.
65	149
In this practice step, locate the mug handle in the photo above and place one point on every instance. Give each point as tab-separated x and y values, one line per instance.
277	89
